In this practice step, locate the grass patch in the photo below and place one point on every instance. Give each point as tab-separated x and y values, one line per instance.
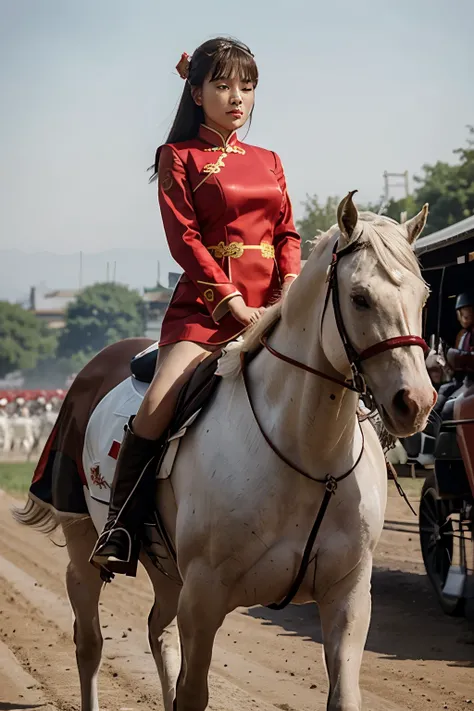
15	477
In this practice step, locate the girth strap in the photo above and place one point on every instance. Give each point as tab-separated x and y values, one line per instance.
306	555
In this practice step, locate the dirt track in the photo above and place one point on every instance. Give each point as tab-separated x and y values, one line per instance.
415	658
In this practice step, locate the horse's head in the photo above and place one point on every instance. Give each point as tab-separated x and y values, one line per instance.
381	297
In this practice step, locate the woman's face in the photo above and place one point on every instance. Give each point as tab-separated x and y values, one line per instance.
226	103
466	316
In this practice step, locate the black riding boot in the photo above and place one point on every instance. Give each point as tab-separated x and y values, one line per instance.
118	546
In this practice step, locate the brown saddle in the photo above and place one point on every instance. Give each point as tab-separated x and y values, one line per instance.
195	395
197	392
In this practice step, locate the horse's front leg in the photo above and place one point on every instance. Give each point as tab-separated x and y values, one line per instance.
345	617
201	611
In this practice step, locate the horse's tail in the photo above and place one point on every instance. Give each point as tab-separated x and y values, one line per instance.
37	515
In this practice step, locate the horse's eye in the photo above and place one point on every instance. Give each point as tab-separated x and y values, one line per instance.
360	301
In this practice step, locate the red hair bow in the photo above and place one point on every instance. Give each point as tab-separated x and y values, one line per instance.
183	66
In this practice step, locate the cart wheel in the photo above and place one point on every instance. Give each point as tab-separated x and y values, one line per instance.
436	541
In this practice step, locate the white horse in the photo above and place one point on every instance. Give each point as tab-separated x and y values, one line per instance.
22	428
5	432
245	488
43	426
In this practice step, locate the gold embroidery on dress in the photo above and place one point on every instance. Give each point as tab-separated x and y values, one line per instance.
213	283
213	168
268	250
167	181
226	149
235	250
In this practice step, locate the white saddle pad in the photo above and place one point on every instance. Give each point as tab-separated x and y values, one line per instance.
104	434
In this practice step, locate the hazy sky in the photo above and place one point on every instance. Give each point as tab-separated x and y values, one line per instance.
88	89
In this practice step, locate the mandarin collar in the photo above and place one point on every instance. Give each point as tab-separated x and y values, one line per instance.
215	138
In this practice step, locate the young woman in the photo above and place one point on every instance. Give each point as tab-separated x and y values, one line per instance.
229	224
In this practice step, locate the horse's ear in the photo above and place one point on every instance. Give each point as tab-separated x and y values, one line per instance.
347	216
415	226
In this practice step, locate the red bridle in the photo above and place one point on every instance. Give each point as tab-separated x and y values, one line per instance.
391	343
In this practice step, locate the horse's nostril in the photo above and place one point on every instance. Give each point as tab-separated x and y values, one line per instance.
400	402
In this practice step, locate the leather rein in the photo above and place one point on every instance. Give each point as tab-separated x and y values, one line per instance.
356	384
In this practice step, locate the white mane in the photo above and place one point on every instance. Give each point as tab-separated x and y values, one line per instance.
229	362
389	242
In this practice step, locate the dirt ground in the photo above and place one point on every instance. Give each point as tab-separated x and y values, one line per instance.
416	658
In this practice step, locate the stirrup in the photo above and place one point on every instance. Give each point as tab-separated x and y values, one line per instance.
111	563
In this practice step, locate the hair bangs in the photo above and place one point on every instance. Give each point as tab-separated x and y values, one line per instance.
231	61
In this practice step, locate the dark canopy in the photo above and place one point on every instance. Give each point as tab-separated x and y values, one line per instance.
447	260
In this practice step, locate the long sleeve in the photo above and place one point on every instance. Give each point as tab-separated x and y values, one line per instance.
286	239
183	235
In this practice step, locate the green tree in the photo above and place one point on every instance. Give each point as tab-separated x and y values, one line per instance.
53	372
24	341
448	189
319	217
102	314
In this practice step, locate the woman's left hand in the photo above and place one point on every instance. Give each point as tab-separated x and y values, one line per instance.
256	315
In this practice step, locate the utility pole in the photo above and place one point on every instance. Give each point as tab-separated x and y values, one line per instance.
388	183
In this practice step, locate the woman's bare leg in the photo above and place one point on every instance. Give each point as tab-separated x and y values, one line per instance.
175	365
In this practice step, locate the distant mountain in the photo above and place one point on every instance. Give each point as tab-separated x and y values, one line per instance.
137	268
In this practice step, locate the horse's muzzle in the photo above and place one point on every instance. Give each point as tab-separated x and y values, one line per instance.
410	410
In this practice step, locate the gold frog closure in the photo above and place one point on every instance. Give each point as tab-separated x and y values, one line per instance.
226	149
213	168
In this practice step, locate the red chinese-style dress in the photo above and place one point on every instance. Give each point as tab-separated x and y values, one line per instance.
229	225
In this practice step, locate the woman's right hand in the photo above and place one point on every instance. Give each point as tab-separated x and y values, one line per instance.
244	314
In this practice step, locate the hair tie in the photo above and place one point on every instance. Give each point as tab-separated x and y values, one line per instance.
183	66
